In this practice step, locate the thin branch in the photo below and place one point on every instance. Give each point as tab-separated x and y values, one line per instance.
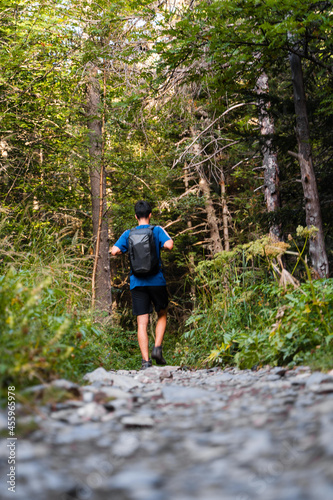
212	155
191	229
135	176
295	155
210	125
172	222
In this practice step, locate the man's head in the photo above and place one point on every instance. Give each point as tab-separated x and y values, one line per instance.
142	209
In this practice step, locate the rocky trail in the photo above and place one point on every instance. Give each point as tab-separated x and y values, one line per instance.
167	433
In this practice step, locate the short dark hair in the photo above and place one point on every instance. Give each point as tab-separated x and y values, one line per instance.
142	209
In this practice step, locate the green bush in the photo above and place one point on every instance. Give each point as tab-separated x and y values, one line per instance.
47	327
251	311
38	342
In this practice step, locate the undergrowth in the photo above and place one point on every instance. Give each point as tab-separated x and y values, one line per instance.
47	327
251	311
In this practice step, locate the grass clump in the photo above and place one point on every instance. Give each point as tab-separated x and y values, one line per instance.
41	340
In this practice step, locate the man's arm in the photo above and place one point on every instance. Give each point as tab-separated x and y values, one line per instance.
115	250
121	244
168	245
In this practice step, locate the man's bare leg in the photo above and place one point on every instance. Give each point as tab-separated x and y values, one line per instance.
160	327
143	320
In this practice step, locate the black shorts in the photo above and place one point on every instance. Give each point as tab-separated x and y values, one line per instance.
143	298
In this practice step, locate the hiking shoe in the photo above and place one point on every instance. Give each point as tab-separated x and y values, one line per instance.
157	355
146	364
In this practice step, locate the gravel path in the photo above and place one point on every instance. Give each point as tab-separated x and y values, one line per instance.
165	433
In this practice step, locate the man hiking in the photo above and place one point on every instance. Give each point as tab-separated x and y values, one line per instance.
147	282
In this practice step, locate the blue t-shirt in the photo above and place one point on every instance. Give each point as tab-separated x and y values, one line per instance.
160	236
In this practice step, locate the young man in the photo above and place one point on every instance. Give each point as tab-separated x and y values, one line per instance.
148	290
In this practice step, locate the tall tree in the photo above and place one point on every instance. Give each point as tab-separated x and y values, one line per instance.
101	283
269	153
312	206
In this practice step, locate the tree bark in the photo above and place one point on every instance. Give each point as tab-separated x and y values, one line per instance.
191	255
269	154
224	215
101	275
318	254
216	244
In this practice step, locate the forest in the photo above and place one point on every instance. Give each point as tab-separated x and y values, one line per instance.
217	112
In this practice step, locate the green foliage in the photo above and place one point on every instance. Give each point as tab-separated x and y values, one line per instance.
38	341
246	317
47	329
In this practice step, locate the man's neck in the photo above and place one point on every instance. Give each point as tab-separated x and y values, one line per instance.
143	221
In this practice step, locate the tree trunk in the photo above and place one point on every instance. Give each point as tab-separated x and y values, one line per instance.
270	162
216	244
312	206
224	215
191	255
101	275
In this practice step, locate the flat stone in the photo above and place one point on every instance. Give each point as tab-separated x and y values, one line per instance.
126	445
90	411
299	379
121	381
176	394
88	396
28	451
125	382
318	378
134	478
258	443
219	378
271	377
166	374
326	407
323	388
79	433
68	415
259	420
153	394
98	375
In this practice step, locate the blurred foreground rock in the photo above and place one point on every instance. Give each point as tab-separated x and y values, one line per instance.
165	433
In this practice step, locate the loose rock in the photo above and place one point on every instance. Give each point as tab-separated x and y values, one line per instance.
167	433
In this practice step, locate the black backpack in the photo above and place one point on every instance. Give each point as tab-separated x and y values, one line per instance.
142	252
